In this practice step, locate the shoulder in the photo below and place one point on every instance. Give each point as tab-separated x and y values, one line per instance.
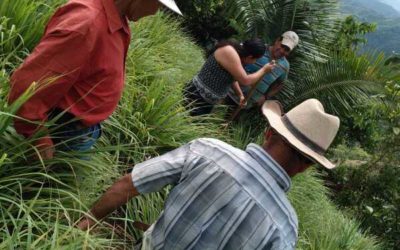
284	63
227	50
210	146
212	142
76	16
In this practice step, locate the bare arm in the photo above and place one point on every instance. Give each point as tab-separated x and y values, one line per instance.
117	195
239	93
229	59
237	89
274	89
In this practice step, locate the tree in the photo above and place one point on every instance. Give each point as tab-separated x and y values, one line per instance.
206	21
351	34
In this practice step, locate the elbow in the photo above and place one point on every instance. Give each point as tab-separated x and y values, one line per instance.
127	187
246	82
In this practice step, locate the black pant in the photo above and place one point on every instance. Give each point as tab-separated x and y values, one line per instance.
232	106
195	102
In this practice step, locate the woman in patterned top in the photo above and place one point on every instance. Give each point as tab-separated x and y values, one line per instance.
222	70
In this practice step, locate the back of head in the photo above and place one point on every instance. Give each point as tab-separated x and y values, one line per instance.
253	47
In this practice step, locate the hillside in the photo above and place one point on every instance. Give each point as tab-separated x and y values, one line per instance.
387	18
394	3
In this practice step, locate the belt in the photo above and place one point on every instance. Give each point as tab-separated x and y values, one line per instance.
64	117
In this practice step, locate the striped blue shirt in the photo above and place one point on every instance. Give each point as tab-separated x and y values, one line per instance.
223	198
280	73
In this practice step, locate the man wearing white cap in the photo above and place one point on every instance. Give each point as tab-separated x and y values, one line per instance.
273	82
83	51
224	197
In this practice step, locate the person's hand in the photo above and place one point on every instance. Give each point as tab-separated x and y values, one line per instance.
261	101
242	102
45	147
269	66
85	224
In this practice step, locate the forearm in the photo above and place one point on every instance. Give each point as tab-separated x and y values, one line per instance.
117	195
237	89
255	77
274	90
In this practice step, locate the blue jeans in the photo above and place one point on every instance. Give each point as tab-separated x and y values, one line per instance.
68	134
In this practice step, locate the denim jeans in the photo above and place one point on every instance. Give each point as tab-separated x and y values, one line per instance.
68	134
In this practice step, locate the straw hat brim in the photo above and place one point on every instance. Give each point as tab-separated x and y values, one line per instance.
273	112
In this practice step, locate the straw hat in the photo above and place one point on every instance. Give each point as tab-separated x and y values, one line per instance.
171	5
306	127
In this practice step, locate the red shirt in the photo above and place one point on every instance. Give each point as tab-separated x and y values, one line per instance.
84	47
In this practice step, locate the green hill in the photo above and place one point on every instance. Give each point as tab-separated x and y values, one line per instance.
387	18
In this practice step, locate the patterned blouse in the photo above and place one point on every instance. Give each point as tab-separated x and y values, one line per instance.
213	81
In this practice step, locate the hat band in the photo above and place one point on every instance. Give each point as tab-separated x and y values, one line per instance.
301	137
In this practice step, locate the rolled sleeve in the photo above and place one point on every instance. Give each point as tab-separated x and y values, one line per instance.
156	173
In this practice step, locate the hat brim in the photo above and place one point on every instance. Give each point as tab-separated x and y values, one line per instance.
273	112
288	43
170	4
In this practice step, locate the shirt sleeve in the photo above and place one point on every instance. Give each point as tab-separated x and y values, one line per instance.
54	66
156	173
285	70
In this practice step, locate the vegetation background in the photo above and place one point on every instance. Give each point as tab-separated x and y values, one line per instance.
354	207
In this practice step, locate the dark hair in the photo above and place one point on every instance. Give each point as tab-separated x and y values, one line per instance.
254	47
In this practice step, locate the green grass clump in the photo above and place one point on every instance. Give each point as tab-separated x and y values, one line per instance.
150	117
322	225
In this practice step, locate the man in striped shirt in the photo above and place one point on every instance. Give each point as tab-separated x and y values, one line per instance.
224	197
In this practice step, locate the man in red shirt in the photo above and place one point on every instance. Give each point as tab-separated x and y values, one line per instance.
79	69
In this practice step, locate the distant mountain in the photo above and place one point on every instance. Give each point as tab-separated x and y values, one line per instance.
394	3
369	10
387	36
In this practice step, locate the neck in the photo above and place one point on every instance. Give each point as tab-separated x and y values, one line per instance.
270	48
280	156
122	6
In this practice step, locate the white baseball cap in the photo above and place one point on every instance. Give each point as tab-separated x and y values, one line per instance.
170	4
290	39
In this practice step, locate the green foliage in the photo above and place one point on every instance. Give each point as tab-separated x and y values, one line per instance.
339	81
39	203
352	33
150	116
27	17
206	20
11	45
313	21
368	184
343	81
386	37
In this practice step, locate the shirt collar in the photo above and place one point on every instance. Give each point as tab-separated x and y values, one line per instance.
270	165
268	54
114	20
